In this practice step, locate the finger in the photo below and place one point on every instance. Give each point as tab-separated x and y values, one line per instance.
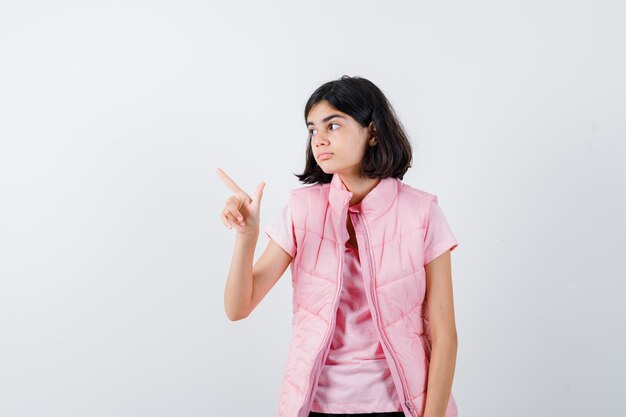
229	218
235	203
258	194
232	219
234	210
244	199
234	216
230	183
225	220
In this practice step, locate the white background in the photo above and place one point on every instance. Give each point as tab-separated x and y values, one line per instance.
114	116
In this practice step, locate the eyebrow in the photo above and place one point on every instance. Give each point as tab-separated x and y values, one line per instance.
325	119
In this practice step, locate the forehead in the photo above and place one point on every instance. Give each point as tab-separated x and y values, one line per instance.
322	112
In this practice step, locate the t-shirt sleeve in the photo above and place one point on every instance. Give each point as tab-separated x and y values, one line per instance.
438	235
280	230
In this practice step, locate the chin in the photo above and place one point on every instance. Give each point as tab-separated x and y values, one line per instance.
328	170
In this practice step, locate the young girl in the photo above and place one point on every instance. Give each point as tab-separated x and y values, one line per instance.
373	328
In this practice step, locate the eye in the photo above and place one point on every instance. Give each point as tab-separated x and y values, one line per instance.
330	124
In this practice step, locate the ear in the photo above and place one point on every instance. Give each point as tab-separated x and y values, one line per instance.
372	128
372	131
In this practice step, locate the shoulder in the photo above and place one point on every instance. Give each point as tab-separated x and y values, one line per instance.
425	203
308	188
306	198
415	195
308	192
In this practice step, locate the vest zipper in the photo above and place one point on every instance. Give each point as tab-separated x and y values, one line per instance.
407	401
308	401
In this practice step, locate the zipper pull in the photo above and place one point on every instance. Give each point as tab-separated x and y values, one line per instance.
409	406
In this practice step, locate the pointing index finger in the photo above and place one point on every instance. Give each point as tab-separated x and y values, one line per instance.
230	183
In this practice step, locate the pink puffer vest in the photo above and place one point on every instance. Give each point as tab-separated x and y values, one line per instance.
390	237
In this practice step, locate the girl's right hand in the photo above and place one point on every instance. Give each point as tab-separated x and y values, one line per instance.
241	210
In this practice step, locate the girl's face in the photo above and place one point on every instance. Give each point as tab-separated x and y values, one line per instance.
339	135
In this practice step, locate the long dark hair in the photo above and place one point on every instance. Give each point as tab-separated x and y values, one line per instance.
365	103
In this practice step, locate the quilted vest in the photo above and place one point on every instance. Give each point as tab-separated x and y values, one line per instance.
390	235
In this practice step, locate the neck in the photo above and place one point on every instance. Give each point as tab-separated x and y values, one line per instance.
358	186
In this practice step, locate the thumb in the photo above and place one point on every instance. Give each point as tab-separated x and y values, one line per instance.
258	194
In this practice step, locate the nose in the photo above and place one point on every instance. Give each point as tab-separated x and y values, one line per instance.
318	140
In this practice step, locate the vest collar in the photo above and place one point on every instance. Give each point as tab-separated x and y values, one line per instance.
374	204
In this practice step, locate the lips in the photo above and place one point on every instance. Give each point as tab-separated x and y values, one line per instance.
324	155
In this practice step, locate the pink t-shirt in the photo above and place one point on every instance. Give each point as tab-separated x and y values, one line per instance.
356	377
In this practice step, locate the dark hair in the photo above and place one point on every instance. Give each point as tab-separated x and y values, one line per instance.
365	103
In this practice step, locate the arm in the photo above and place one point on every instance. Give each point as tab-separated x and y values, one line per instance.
440	306
247	285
